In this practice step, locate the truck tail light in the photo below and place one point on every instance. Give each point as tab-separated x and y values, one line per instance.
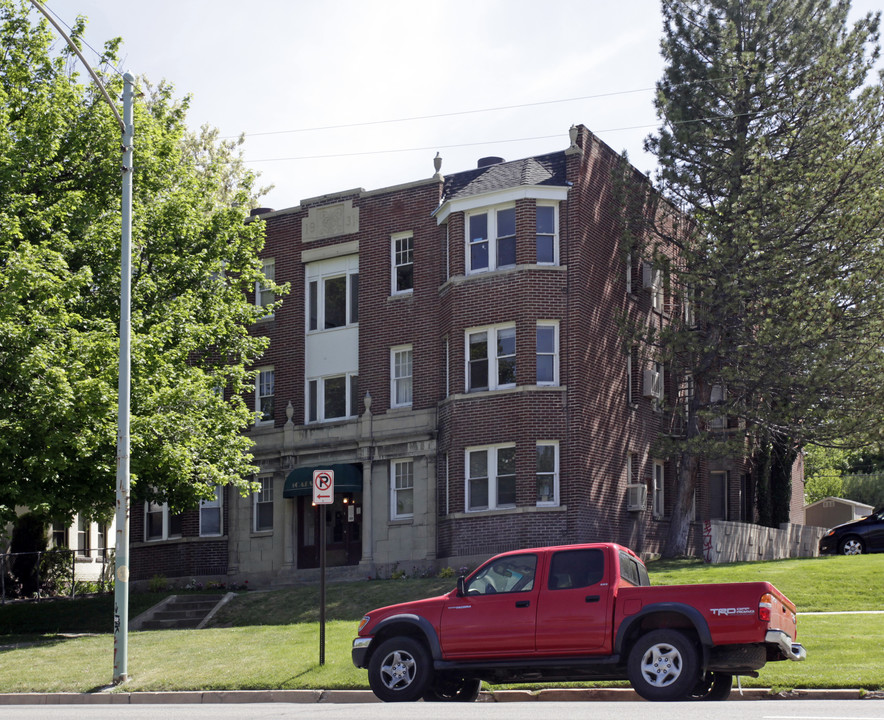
764	606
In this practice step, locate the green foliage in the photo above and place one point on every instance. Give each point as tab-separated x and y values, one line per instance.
194	261
158	583
772	143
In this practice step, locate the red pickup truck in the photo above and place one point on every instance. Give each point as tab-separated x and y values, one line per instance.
571	613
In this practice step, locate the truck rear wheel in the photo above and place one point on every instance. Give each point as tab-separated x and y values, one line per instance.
662	665
453	689
714	686
400	670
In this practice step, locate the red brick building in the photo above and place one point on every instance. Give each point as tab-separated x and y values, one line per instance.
450	348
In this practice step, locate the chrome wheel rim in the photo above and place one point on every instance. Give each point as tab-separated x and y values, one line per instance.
398	670
661	665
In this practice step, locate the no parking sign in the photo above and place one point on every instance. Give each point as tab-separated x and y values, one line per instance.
323	487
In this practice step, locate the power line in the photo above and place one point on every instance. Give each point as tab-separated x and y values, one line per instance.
83	40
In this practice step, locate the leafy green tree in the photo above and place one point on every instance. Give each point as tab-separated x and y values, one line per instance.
194	261
771	143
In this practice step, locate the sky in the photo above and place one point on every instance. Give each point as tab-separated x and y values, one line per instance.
348	94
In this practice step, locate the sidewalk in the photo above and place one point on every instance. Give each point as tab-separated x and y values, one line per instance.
365	696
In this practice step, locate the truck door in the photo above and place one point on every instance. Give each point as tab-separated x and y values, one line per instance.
574	611
497	614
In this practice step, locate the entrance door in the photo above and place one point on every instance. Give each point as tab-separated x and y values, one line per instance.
343	531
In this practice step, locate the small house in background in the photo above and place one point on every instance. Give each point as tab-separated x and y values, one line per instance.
832	511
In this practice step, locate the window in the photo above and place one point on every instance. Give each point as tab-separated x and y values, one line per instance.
402	489
659	475
513	573
547	473
403	263
83	549
491	358
717	397
210	515
59	535
491	477
718	495
491	239
262	504
547	354
400	373
332	398
546	235
263	296
264	387
333	302
101	540
632	376
576	569
159	523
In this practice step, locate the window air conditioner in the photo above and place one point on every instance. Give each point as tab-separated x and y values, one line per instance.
636	497
652	387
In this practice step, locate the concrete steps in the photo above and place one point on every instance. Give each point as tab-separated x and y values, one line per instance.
179	611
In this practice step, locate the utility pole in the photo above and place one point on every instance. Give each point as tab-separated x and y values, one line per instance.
121	581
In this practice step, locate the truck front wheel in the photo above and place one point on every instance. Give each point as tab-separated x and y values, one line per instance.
662	665
400	670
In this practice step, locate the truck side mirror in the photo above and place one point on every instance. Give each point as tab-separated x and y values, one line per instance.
461	586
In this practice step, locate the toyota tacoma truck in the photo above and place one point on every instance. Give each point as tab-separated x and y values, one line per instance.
572	613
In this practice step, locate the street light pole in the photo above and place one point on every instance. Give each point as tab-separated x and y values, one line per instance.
121	584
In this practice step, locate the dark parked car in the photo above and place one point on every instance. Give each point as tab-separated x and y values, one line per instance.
857	537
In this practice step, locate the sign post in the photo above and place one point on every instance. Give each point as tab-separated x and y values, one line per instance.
323	494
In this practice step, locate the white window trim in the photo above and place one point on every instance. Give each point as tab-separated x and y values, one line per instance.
394	239
320	398
259	419
491	213
165	533
394	378
256	501
268	264
492	331
217	503
555	207
320	281
658	498
554	502
554	324
394	491
492	451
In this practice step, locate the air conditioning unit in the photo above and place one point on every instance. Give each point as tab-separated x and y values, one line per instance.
636	497
652	387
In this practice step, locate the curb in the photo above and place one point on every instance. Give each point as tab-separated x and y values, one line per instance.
366	696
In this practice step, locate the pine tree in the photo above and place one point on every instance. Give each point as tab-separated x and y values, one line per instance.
772	143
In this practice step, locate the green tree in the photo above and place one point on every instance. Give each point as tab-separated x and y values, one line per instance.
194	261
771	143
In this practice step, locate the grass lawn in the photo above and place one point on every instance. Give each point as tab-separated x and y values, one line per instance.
271	640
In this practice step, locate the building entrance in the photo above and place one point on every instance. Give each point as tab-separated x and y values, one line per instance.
343	531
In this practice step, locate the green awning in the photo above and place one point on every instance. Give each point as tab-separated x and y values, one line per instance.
348	479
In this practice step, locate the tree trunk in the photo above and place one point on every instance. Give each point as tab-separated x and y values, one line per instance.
680	520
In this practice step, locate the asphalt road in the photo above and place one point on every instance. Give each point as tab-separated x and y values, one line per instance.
730	710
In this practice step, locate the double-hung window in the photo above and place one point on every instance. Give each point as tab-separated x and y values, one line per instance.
491	477
547	234
547	353
403	263
262	502
210	515
333	302
265	297
83	529
401	489
547	473
659	484
334	397
491	358
491	239
264	389
400	376
159	523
